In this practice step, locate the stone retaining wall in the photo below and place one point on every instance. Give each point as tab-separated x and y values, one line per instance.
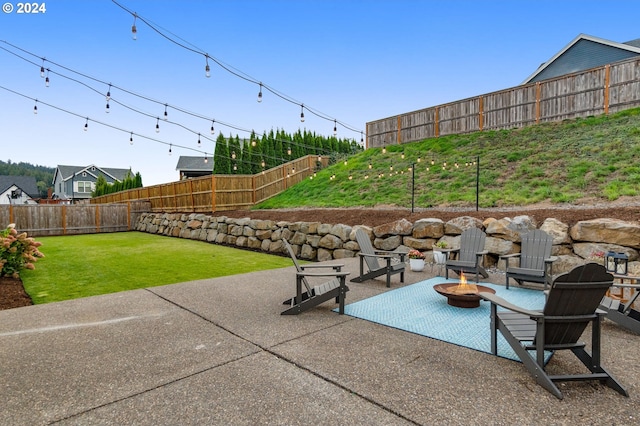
323	241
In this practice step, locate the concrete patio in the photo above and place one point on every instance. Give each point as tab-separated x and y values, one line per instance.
218	352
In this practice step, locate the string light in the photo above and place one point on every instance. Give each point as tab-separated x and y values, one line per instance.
158	125
402	155
108	96
86	125
134	30
212	129
35	107
106	108
362	138
235	167
260	94
384	149
199	143
46	80
370	165
335	127
131	139
207	69
170	149
166	114
42	69
233	155
302	113
206	160
289	151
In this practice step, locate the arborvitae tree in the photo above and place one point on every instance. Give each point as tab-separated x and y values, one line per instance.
235	151
222	158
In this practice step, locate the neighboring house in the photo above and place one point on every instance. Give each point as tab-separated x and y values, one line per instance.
18	190
583	53
75	183
190	167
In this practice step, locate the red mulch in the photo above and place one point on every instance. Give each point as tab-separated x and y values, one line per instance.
12	294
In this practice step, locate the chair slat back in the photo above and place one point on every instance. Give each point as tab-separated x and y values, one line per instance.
293	257
575	293
366	247
471	242
536	247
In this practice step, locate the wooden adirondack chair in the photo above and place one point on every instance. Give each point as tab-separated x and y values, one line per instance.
334	288
469	255
536	262
372	257
572	304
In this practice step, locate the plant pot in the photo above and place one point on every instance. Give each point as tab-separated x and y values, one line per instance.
416	265
439	257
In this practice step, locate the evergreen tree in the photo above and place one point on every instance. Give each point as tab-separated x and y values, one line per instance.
222	160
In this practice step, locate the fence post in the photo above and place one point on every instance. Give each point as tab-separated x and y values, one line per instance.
64	219
481	112
538	92
398	136
607	82
213	193
436	126
97	215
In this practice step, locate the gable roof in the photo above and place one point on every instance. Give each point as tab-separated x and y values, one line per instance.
26	183
194	164
582	53
67	172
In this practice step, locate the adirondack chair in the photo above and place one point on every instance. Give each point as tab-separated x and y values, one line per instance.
313	296
572	304
373	257
469	255
536	262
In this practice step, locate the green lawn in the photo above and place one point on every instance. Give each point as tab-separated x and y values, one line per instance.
88	265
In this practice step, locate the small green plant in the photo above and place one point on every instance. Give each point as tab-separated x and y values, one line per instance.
415	254
17	251
442	244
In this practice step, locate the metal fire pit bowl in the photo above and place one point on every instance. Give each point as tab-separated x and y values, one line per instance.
461	300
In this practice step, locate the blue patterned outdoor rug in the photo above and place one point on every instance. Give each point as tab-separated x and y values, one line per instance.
419	309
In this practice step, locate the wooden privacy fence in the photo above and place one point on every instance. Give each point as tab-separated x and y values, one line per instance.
218	192
42	220
601	90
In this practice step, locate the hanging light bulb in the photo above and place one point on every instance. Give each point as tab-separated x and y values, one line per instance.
199	143
35	107
233	155
42	69
370	165
260	94
402	155
391	167
166	114
207	69
46	80
131	139
289	151
86	125
212	129
384	149
253	142
293	170
335	127
170	149
108	96
106	108
345	162
235	167
206	160
302	113
158	125
350	177
419	159
362	138
319	157
134	30
263	164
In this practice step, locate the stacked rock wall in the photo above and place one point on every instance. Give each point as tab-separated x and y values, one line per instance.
322	241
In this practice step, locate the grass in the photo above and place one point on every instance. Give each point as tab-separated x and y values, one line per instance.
89	265
561	162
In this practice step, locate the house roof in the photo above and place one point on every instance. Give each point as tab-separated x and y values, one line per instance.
67	172
26	183
582	53
194	164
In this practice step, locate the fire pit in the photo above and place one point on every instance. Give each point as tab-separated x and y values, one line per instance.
462	295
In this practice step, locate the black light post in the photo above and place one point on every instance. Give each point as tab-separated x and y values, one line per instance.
477	182
413	185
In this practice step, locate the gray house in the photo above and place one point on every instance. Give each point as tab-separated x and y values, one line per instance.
75	183
18	190
190	167
583	53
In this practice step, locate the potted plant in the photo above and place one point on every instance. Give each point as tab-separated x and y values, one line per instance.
416	260
438	255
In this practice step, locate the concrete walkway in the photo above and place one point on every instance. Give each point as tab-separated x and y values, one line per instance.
219	352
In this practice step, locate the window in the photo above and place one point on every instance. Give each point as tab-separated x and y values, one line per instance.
84	187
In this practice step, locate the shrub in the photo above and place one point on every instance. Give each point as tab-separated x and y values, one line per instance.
17	251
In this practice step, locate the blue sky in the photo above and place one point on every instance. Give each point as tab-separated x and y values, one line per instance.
352	60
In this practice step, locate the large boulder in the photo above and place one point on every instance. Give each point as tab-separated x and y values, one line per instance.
399	227
511	229
558	230
610	231
460	224
428	228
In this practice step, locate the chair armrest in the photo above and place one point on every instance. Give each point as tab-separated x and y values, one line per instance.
482	253
382	256
509	256
336	267
322	274
496	300
551	259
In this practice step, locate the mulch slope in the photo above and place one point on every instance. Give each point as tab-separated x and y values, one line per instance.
12	294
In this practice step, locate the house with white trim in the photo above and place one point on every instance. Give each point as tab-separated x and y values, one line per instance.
18	190
75	183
